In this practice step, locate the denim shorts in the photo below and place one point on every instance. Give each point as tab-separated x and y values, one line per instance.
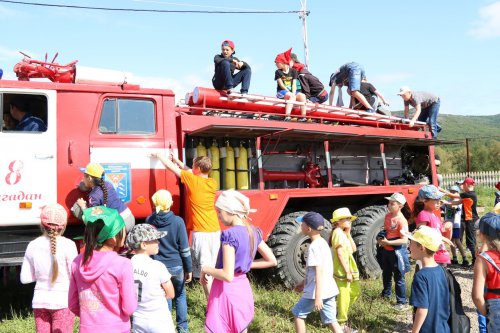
356	73
457	233
281	94
493	306
306	305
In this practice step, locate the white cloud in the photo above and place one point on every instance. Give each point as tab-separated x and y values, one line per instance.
180	86
489	24
8	54
7	12
390	78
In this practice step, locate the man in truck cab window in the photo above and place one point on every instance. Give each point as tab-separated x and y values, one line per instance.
27	121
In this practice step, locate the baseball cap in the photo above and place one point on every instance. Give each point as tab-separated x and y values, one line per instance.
143	233
229	43
54	216
403	90
489	225
313	220
430	192
113	222
341	213
93	169
429	237
454	188
497	185
397	197
469	181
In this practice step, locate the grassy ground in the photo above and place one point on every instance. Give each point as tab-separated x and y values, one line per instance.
272	303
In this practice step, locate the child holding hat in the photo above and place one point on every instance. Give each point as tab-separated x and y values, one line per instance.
320	289
486	285
102	290
174	252
393	249
47	262
153	281
345	270
430	296
230	306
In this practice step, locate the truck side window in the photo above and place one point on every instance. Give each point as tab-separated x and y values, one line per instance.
127	116
24	112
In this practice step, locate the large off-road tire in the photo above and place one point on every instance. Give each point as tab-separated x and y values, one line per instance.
364	230
290	246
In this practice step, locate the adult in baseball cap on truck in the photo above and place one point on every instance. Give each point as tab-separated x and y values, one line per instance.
225	65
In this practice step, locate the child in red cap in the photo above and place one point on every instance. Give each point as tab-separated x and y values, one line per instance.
286	79
225	66
47	262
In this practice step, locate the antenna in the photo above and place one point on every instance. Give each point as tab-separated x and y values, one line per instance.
303	16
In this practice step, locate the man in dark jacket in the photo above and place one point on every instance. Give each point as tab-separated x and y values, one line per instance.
225	65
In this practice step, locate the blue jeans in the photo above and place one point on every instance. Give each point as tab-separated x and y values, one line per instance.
179	299
429	115
493	314
389	268
356	74
224	80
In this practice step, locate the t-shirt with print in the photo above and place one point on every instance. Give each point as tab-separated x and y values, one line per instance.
200	202
152	304
393	227
423	98
287	78
429	290
339	239
319	254
453	214
469	202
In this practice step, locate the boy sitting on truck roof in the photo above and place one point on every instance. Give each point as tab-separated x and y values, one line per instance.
225	65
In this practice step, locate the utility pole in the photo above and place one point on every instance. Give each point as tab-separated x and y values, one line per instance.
468	155
303	16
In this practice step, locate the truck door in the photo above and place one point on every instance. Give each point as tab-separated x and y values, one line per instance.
125	133
28	160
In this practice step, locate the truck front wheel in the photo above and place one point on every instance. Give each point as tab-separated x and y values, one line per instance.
290	246
364	231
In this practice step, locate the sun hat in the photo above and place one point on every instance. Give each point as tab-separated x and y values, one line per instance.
313	220
229	43
454	188
93	169
489	225
162	200
113	222
428	237
430	192
397	197
54	216
341	213
234	202
403	90
469	181
284	58
143	233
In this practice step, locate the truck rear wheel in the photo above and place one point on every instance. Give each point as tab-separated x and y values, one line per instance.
290	246
364	231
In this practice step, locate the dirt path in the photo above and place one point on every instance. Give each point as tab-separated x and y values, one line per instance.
464	277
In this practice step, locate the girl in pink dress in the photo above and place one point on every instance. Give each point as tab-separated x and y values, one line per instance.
230	306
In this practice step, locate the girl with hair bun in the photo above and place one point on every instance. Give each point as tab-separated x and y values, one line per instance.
230	304
47	262
102	193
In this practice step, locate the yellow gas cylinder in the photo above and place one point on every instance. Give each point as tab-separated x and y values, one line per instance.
242	169
229	166
201	150
215	172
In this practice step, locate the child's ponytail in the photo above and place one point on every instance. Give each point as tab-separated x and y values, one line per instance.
90	239
53	248
102	184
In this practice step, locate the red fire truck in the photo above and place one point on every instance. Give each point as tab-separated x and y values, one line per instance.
338	158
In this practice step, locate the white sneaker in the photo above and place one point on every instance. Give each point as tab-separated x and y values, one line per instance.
401	307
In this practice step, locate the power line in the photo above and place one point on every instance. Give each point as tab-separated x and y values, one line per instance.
155	10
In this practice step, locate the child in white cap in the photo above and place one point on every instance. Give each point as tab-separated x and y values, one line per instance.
395	224
47	262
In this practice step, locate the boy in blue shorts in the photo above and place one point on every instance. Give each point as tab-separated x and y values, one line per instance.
430	296
319	287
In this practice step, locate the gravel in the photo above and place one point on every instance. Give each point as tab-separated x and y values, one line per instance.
464	278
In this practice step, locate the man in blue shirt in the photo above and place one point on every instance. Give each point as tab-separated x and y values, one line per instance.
27	121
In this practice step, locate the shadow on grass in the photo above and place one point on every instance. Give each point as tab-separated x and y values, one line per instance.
16	297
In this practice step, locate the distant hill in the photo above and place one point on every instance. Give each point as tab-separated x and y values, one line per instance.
461	127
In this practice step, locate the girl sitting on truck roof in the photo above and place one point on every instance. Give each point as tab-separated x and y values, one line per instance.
103	193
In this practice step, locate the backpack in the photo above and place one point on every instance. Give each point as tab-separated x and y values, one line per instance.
458	320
